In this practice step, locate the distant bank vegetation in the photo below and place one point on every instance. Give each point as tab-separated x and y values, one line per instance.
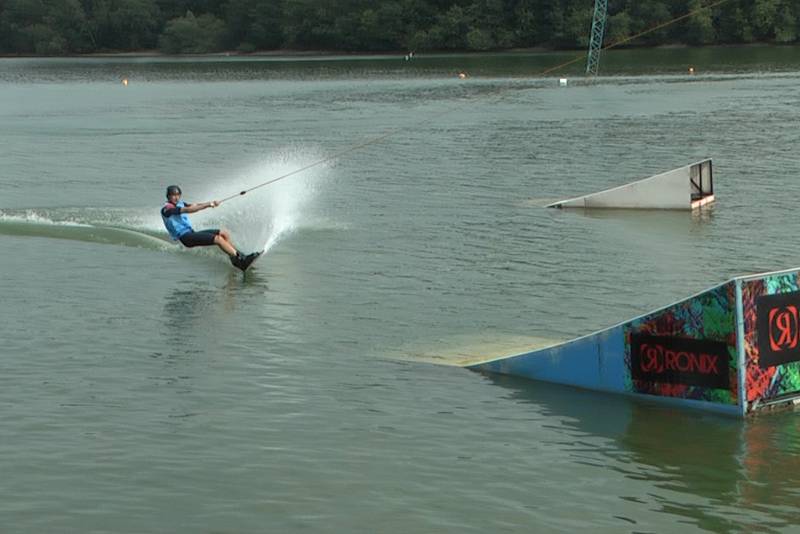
59	27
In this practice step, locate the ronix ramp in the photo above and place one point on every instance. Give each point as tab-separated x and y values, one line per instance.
734	349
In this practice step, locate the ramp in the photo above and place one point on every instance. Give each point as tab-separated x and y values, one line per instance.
684	188
732	349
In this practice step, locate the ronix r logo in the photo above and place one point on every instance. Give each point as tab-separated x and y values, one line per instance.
783	328
778	323
677	360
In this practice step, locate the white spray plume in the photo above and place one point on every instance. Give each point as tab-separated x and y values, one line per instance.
262	217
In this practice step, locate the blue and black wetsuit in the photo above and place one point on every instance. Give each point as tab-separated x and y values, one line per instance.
180	229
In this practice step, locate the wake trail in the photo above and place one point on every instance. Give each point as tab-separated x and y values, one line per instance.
76	224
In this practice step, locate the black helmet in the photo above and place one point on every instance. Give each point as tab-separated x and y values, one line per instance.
172	189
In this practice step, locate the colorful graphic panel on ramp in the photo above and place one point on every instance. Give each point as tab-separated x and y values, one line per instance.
687	350
771	310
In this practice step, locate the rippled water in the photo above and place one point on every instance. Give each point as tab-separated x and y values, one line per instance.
146	388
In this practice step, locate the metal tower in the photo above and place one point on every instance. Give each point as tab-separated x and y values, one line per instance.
596	39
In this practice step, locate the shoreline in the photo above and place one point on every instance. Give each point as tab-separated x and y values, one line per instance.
287	53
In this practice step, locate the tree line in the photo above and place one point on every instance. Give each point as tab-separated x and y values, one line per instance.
59	27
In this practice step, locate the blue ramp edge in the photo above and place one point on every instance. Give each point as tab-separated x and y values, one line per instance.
583	362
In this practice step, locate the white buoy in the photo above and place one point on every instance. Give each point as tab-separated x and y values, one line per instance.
562	82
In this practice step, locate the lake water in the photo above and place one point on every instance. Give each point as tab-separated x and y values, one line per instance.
147	388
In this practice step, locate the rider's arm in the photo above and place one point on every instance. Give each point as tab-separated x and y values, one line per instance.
187	208
191	208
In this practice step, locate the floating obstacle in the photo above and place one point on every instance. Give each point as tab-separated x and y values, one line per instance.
732	349
684	188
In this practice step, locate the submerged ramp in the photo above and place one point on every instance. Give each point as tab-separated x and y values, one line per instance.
734	349
684	188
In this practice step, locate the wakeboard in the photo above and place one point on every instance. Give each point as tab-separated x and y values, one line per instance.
248	260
